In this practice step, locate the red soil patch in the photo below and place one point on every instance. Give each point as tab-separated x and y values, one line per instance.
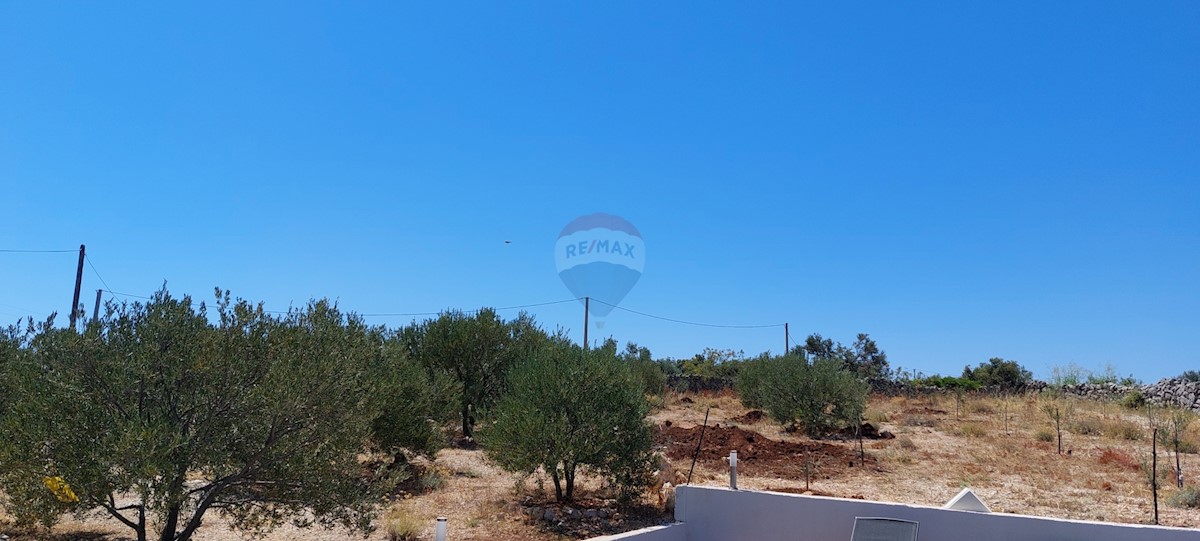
1120	458
759	455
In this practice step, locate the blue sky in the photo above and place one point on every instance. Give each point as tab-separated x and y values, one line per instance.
960	180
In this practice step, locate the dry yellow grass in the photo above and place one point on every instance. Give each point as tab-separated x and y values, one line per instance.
941	447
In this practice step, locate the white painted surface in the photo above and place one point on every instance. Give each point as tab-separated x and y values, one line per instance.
670	532
720	514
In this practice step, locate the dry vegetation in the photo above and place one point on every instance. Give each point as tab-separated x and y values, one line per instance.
997	446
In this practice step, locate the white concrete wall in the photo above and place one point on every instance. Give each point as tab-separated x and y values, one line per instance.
721	514
671	532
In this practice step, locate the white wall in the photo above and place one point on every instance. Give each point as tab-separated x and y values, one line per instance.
672	532
721	514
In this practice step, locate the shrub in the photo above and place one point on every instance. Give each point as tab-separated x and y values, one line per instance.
972	430
261	415
1088	426
569	409
402	525
1134	400
906	443
1000	373
1123	430
1044	434
821	396
1187	497
876	417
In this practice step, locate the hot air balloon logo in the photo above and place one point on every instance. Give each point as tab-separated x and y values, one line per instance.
600	256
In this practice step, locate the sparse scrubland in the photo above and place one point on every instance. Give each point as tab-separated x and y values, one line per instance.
512	433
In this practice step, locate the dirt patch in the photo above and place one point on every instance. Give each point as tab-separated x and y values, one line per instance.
591	517
750	417
758	454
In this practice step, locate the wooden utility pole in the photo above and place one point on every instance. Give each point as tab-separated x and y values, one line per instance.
787	339
586	306
78	283
96	308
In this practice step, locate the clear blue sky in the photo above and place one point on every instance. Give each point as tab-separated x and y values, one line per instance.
960	180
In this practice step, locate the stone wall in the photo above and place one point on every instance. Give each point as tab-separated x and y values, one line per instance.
1174	392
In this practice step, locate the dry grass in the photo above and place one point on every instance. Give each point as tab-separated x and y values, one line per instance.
934	455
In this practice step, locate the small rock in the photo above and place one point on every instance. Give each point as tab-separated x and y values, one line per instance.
590	514
549	515
574	513
603	513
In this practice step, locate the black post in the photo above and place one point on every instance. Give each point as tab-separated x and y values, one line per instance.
96	308
699	444
787	339
586	306
78	283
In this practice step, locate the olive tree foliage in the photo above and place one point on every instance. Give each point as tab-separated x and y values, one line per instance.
863	357
419	403
999	373
156	416
475	352
569	410
821	396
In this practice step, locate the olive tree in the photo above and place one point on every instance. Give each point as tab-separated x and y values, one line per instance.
155	416
821	396
568	409
475	351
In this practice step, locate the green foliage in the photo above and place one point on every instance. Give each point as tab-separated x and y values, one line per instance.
645	370
999	373
951	383
751	383
1190	375
820	396
863	358
259	416
476	352
1134	400
1070	374
569	409
415	408
1187	497
713	363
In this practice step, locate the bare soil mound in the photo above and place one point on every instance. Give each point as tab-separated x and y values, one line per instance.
758	454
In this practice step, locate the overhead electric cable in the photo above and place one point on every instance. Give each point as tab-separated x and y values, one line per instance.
96	272
407	314
672	320
38	251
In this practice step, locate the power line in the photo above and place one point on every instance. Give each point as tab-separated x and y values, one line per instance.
690	322
38	251
409	314
96	272
118	293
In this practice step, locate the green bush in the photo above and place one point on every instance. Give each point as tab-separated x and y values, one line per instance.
1000	373
1188	497
820	396
1044	434
570	409
176	412
1134	400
